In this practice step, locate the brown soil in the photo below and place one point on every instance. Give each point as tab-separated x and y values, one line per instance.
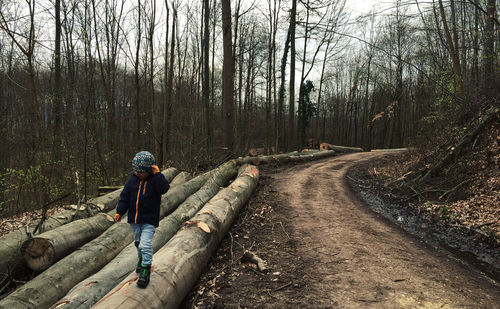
326	249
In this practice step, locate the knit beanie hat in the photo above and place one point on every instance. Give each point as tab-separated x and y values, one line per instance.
143	161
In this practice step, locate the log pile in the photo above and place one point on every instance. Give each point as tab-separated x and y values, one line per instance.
179	263
88	292
48	287
340	149
85	259
10	244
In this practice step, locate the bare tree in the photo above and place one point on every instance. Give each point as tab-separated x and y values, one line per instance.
490	54
291	105
170	85
206	73
137	78
57	107
455	59
227	96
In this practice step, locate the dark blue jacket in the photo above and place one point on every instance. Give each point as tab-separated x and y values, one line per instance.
142	199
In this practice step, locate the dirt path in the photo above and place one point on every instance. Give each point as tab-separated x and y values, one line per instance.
336	253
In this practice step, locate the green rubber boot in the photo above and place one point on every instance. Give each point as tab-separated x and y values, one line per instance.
138	267
144	276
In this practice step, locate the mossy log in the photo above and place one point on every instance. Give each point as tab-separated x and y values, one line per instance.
89	291
48	287
178	264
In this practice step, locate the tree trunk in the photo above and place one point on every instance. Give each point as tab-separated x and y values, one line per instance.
88	292
52	284
453	52
108	202
490	54
291	105
180	262
206	73
42	251
281	91
341	149
460	145
227	68
85	261
10	255
294	156
137	79
58	104
181	178
167	132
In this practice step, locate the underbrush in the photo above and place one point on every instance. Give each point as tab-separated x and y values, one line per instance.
463	191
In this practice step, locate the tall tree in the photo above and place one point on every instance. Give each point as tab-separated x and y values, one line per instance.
489	50
165	110
227	74
170	84
137	78
291	104
58	104
455	59
206	72
150	37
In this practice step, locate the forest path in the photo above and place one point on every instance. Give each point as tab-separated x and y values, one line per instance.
327	249
354	258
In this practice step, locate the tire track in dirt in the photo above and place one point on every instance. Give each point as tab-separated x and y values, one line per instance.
355	258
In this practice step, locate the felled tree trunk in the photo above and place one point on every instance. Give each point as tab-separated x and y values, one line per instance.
10	244
178	264
42	251
181	178
259	160
88	292
340	149
48	287
56	239
460	145
305	157
109	201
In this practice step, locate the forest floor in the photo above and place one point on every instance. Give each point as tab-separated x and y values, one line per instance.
332	237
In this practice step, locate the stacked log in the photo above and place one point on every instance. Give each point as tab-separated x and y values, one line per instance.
10	254
88	292
48	287
176	266
179	263
181	178
340	149
42	251
109	201
294	156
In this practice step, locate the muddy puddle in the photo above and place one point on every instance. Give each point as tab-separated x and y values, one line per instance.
460	242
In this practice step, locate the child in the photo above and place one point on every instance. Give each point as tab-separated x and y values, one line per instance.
141	197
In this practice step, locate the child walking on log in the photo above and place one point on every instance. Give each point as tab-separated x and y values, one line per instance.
141	198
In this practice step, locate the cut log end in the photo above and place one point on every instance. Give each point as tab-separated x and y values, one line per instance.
256	161
323	146
38	253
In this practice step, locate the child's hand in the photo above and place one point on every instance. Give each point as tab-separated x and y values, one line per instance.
118	217
154	169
